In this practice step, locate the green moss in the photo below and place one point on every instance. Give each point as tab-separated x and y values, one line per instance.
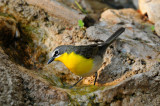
29	29
84	90
7	15
36	32
77	94
73	102
53	80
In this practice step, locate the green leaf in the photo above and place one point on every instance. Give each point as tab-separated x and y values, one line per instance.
153	28
80	23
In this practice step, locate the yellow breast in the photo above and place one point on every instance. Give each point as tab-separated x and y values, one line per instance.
77	64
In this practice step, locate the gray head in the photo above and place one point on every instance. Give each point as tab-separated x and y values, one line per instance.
59	51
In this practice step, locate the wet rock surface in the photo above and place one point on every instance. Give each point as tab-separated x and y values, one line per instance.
130	74
20	86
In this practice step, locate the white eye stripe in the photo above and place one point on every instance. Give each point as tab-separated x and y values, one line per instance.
52	54
55	52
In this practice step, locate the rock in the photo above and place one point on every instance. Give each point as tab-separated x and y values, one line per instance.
157	27
59	10
20	86
93	31
129	75
118	4
151	8
139	88
94	8
137	54
135	2
8	30
136	64
128	16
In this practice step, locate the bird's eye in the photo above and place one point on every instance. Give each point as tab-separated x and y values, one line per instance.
56	52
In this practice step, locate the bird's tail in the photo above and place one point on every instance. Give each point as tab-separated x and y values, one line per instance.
113	37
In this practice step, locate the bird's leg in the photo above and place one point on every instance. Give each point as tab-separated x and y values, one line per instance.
95	78
76	82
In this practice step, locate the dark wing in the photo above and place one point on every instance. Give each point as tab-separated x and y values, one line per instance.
88	51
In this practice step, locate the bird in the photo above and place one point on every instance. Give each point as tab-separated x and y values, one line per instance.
83	60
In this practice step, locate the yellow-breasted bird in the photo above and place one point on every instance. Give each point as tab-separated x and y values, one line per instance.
83	60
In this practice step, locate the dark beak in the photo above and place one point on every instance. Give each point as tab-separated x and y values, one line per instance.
50	60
